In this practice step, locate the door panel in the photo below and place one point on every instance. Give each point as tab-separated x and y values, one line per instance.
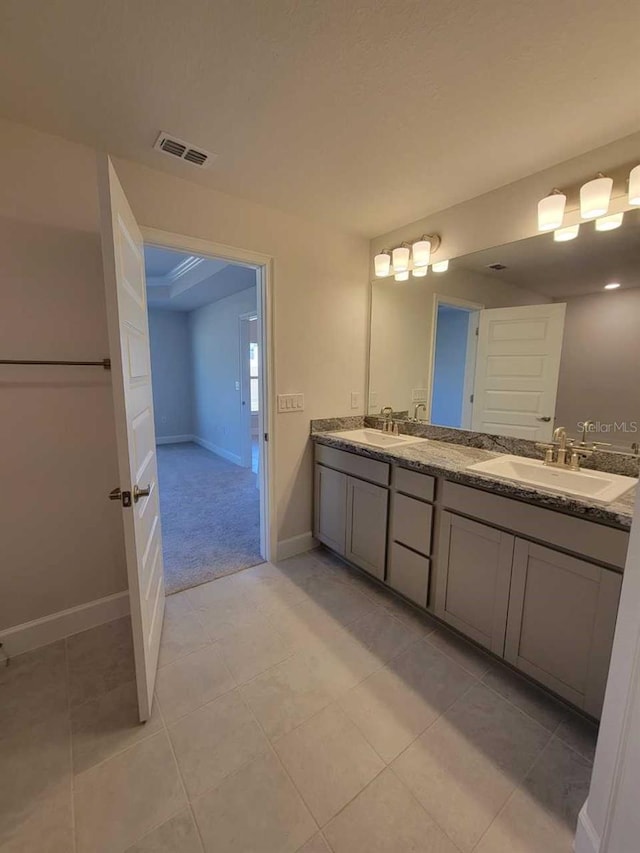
125	290
330	520
367	526
562	615
517	370
475	560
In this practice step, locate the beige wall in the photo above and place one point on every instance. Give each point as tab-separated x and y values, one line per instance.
402	327
61	539
510	213
599	366
320	305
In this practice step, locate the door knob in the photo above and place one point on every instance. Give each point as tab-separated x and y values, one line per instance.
141	493
118	495
545	420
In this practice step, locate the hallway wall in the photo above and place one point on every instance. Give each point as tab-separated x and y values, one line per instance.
215	342
171	372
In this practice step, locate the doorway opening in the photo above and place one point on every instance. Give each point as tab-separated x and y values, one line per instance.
453	362
205	334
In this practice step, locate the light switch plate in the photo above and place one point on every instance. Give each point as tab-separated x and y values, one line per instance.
290	403
373	400
355	399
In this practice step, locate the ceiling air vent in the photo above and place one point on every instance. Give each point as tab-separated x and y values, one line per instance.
183	150
496	267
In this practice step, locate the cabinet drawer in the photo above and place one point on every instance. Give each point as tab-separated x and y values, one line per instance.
412	523
408	573
413	483
350	463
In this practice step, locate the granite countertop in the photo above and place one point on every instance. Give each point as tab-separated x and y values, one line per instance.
442	459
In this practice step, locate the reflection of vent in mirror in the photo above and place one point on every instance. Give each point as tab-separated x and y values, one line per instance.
183	150
496	266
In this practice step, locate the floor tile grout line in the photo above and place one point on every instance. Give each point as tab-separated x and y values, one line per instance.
184	789
428	814
517	788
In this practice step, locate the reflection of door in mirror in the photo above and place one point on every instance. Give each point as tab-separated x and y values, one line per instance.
454	360
518	364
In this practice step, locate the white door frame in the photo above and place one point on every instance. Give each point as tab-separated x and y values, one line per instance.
470	366
246	415
263	265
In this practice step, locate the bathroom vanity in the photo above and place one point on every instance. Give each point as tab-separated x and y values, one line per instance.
532	576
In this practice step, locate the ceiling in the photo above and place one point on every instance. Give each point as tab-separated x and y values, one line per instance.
574	268
178	281
367	114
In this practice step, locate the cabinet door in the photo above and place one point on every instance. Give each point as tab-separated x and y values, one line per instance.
330	508
562	616
475	562
367	526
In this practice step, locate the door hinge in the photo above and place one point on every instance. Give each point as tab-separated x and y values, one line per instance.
266	436
477	331
471	399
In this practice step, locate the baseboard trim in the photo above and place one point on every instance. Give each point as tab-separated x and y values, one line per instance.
57	626
219	451
587	839
296	545
173	439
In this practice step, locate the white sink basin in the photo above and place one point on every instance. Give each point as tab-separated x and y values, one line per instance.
597	486
377	438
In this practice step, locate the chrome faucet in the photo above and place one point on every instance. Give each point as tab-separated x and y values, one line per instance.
417	408
387	414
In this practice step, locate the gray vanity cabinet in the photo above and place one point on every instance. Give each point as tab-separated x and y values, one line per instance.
475	566
366	528
562	617
330	508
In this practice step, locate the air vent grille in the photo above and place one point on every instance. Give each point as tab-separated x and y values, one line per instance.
496	267
175	147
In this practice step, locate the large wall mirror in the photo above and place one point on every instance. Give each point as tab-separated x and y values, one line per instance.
518	339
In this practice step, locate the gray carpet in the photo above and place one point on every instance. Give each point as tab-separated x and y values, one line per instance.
210	511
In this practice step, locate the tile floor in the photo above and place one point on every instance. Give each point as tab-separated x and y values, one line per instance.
299	708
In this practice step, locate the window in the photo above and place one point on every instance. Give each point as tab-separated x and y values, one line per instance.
253	377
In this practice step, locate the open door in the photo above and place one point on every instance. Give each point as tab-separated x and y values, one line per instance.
126	297
517	367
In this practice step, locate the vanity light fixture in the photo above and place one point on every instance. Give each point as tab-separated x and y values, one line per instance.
608	223
382	264
634	186
401	259
551	211
421	252
561	235
595	196
613	285
440	266
403	275
419	272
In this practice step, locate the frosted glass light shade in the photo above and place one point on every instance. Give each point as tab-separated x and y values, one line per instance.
382	264
614	285
595	197
608	223
551	211
634	186
402	276
440	266
421	253
401	259
564	234
420	272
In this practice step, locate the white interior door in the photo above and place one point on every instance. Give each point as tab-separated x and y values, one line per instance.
517	367
245	388
126	297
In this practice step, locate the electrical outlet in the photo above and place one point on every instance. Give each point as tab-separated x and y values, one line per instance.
419	395
290	403
355	399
